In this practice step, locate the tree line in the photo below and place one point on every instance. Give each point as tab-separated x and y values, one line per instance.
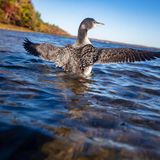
22	13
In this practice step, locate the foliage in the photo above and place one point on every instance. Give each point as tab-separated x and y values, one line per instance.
22	13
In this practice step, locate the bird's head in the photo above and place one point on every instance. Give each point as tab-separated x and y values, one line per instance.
89	23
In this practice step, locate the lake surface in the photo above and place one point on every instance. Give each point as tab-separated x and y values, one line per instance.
47	114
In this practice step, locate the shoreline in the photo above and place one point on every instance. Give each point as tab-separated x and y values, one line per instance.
14	28
125	43
11	27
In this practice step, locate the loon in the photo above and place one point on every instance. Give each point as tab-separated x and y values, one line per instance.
81	56
80	60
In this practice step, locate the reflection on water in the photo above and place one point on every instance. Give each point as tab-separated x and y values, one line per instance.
48	114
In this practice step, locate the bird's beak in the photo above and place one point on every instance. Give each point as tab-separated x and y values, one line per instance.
100	23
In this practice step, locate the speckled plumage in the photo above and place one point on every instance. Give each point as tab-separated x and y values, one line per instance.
78	60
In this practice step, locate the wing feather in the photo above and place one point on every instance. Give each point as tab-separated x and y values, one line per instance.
121	55
44	50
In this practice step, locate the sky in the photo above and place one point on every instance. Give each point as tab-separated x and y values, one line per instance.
129	21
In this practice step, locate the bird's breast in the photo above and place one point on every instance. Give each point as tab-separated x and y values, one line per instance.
87	71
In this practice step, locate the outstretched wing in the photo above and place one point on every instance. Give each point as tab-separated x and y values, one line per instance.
121	55
43	50
59	55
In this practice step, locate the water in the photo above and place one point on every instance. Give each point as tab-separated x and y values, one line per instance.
47	114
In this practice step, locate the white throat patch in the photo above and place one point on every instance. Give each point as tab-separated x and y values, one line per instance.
86	41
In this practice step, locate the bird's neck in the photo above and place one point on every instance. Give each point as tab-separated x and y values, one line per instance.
82	38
